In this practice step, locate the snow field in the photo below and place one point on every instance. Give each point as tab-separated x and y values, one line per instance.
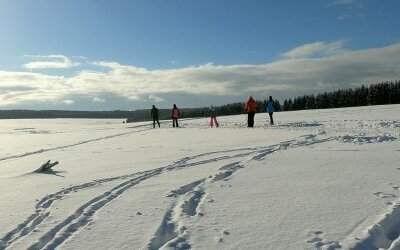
320	179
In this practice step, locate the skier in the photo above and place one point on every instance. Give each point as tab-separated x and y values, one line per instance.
213	114
175	116
250	108
269	107
154	114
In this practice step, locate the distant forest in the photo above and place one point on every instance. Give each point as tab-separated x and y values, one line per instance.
374	94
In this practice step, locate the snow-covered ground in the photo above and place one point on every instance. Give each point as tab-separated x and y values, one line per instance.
319	179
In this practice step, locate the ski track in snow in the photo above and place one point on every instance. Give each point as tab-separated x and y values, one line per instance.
72	145
187	200
190	197
172	232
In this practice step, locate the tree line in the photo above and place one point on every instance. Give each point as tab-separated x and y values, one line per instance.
374	94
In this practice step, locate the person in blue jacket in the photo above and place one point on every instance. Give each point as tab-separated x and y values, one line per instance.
269	107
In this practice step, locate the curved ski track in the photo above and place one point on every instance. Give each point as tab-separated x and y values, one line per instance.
188	197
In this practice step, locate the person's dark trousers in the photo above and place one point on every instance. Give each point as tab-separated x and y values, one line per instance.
271	120
175	122
155	119
250	119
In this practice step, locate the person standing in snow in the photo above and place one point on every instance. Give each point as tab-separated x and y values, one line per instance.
213	114
269	107
251	106
154	114
175	116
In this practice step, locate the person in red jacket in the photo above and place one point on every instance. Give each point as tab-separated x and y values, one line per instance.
251	106
175	116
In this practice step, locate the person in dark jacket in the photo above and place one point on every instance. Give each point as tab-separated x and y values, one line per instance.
251	107
175	116
154	114
269	107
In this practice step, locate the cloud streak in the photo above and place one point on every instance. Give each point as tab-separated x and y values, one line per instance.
155	98
315	49
52	62
309	68
69	102
98	99
344	2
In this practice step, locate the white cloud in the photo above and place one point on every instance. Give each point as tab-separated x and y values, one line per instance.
351	9
314	67
52	62
156	98
24	87
315	49
135	98
98	99
344	2
68	102
343	17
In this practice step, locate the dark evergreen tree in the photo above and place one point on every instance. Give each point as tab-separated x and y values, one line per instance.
310	102
290	104
277	105
285	105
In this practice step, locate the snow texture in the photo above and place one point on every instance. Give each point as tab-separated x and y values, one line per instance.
318	179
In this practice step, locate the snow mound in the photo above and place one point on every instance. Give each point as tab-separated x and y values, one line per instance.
301	124
362	138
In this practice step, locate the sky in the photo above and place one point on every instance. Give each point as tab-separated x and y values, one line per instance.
131	54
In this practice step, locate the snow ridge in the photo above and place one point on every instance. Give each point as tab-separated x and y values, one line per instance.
384	234
362	138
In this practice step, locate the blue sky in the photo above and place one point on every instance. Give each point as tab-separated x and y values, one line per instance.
128	54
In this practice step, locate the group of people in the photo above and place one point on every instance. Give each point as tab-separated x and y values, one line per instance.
175	115
250	108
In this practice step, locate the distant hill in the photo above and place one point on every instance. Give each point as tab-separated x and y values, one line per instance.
43	114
